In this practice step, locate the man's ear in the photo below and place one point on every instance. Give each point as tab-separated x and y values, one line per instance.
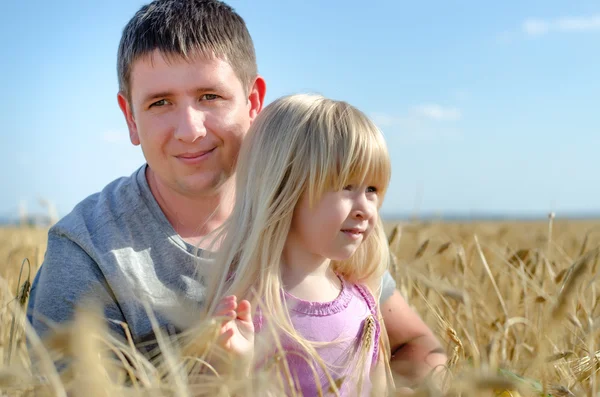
256	97
128	113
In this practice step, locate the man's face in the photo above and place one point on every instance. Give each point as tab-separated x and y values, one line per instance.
190	118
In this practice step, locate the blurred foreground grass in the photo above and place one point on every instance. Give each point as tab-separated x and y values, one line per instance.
515	304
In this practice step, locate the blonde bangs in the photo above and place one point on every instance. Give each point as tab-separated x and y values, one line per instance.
355	153
370	161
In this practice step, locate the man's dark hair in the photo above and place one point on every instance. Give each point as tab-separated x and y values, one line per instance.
186	29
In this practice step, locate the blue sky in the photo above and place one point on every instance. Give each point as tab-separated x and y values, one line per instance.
486	106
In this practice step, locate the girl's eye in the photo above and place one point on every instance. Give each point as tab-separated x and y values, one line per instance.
348	187
371	189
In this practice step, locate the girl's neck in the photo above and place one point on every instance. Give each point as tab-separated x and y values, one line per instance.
307	276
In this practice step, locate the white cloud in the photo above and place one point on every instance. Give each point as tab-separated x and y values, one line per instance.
113	136
535	27
384	120
423	123
579	24
538	27
437	112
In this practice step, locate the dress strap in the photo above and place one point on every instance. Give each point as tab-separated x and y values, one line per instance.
370	300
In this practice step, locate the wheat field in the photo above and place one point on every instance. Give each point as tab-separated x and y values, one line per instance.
514	303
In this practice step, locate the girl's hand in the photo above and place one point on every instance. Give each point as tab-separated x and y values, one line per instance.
237	329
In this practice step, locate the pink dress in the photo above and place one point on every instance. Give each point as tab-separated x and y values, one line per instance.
350	323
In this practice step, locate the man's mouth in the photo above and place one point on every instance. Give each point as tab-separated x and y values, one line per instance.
195	156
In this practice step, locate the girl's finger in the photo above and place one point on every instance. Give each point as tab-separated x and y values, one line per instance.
225	337
226	304
244	311
227	316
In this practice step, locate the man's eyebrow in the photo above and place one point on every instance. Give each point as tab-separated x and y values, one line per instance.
156	95
213	88
199	90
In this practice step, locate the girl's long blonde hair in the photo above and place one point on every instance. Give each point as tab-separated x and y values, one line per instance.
297	144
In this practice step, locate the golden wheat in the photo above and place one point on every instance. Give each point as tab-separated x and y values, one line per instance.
516	304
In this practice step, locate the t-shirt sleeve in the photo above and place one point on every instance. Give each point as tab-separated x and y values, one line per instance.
388	285
67	276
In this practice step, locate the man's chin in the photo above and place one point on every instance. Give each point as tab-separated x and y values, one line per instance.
204	186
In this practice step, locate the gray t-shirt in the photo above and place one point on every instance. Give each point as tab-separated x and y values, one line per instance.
118	247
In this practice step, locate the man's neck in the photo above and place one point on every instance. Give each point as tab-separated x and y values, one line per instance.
193	217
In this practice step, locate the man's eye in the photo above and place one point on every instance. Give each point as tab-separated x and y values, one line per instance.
160	103
209	97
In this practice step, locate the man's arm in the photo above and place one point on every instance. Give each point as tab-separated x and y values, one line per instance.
67	275
415	349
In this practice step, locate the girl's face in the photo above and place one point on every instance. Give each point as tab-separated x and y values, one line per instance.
336	225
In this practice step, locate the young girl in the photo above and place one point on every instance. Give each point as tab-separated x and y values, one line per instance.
305	246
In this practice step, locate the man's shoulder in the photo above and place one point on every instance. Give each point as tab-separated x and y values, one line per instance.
101	210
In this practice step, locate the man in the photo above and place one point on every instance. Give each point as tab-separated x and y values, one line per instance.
189	91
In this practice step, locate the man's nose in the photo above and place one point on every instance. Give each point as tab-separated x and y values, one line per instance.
191	125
